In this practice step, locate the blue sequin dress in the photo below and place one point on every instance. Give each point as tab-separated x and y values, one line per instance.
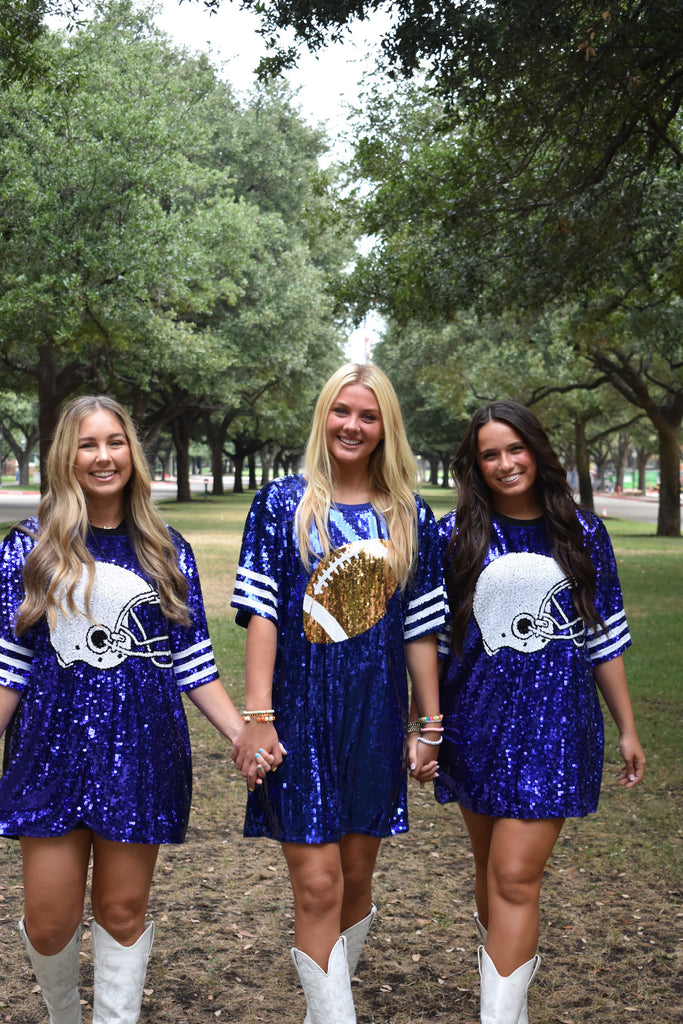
100	737
340	688
523	728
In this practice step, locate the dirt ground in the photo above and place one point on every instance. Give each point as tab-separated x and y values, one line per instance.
611	917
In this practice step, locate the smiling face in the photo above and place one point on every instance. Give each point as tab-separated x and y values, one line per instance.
103	465
354	426
508	467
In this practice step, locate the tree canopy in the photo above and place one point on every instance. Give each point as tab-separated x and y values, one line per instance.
150	247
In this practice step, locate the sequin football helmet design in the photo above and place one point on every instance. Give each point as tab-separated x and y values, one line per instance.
348	591
115	629
524	601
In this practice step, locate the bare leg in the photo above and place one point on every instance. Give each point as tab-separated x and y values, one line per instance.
315	873
358	857
55	873
515	853
122	878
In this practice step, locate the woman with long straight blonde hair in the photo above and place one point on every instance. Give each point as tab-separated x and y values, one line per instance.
102	627
340	588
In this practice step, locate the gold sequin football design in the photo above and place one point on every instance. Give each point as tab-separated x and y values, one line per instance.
348	592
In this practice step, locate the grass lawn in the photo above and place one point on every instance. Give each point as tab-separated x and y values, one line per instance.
611	899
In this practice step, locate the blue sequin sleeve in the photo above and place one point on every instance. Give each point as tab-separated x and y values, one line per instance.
264	543
191	649
426	604
15	655
603	645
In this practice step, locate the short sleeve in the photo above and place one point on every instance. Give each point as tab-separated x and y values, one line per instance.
16	655
191	649
426	601
256	585
603	645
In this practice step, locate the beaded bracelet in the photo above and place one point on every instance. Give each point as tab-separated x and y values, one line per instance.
430	743
414	727
259	716
426	719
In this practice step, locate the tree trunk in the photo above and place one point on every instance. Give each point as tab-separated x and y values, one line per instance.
623	448
643	456
583	465
217	487
446	460
251	462
669	516
239	465
267	454
181	428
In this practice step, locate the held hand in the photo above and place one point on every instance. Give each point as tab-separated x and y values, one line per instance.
256	751
634	761
421	761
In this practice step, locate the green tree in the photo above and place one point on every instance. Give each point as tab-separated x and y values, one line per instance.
19	430
454	233
109	223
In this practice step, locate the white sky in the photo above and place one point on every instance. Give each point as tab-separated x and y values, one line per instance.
326	84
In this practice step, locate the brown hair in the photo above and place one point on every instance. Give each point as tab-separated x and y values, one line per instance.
469	542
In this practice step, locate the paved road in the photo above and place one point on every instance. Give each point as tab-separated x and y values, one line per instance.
640	510
15	505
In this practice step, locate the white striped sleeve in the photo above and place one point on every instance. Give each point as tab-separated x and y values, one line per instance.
602	646
15	664
195	665
255	594
426	614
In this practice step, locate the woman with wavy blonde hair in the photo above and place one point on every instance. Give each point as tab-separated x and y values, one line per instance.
340	588
102	627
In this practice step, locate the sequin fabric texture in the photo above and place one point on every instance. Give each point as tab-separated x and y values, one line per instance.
523	729
100	735
341	699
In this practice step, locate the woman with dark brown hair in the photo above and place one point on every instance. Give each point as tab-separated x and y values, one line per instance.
537	628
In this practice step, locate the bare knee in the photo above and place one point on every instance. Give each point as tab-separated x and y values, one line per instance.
318	890
515	883
125	921
49	936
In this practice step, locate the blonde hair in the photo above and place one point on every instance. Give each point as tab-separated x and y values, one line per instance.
57	560
393	473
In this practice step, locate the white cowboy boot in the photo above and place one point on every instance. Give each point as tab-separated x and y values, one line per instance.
328	994
483	935
119	976
355	938
502	998
58	978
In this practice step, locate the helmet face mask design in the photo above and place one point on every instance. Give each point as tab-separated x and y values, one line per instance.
120	624
523	601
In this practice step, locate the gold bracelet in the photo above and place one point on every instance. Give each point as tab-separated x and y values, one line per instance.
259	716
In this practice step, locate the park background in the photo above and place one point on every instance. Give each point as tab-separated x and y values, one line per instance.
501	216
611	907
